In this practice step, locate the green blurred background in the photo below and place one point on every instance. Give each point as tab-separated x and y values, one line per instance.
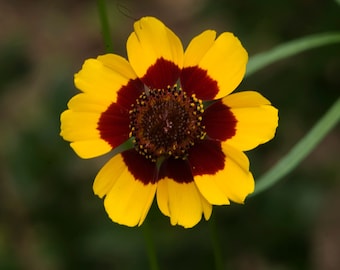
49	216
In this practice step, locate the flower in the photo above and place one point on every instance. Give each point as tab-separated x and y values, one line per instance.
175	129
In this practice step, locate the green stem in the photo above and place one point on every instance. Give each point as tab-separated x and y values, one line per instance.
150	247
102	11
216	243
301	149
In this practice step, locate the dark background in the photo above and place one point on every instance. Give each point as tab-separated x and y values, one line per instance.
49	216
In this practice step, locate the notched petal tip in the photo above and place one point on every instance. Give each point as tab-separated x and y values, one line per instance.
127	200
104	76
150	42
198	47
182	202
80	129
234	182
223	59
257	120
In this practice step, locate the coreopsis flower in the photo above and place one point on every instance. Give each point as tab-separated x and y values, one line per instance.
174	128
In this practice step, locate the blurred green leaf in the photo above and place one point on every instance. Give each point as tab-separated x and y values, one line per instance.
301	149
288	49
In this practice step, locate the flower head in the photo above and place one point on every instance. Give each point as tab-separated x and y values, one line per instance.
175	129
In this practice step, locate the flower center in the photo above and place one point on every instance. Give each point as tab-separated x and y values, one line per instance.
166	122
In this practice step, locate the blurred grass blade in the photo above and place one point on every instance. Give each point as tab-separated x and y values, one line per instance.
150	247
285	50
102	12
300	150
215	240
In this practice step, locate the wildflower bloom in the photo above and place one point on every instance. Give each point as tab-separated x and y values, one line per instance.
175	130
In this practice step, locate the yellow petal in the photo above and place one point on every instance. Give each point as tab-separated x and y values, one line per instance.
237	181
108	176
91	148
233	183
182	202
79	126
198	47
118	64
256	119
224	59
210	189
245	99
89	102
127	200
104	76
100	79
150	41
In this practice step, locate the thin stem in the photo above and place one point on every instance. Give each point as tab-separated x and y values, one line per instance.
301	149
150	246
216	243
102	11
